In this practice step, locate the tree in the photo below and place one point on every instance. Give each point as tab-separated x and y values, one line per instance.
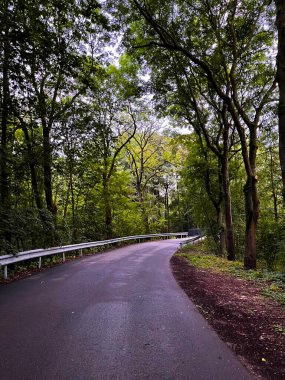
110	132
201	177
280	23
209	118
6	18
49	60
146	159
49	68
232	36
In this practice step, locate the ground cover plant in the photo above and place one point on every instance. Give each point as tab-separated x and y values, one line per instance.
246	308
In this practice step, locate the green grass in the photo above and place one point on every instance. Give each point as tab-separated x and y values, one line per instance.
273	282
280	329
278	293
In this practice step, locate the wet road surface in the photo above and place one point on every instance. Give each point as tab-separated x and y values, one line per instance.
118	315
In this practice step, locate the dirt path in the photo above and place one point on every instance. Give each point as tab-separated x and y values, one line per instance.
249	323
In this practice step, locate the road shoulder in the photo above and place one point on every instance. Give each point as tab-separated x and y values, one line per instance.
249	323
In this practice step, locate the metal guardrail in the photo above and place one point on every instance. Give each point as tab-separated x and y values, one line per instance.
39	253
191	240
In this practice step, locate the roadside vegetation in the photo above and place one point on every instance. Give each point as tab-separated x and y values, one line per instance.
272	283
245	307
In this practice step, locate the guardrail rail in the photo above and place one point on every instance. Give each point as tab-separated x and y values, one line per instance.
39	253
191	240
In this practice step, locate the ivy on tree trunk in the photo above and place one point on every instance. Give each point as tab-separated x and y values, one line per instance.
280	23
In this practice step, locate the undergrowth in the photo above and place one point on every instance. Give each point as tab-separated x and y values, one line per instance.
273	282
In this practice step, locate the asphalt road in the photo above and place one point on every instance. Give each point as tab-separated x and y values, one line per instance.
118	315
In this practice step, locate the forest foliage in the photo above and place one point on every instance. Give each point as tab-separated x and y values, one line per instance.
129	117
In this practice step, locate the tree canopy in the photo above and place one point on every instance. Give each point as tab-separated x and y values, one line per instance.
125	117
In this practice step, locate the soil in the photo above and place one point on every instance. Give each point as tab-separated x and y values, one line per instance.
251	324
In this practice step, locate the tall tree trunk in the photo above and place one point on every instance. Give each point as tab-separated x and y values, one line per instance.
222	231
214	199
47	160
74	229
280	23
5	201
145	219
252	215
66	200
166	205
108	209
34	180
51	237
273	187
142	207
230	241
49	234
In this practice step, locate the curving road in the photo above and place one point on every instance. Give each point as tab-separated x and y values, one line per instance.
118	315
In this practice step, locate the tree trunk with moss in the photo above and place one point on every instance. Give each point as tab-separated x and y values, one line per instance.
280	23
5	99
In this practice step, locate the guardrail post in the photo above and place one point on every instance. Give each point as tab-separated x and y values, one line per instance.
63	257
5	272
180	245
40	262
80	253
